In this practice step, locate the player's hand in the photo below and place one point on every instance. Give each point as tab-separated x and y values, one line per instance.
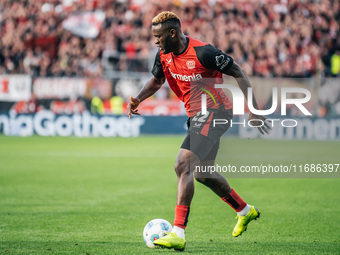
260	122
132	106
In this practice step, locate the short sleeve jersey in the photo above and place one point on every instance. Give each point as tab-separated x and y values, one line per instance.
193	73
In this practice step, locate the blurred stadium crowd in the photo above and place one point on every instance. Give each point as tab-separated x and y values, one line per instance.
267	38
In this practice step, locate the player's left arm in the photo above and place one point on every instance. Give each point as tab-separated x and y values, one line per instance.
242	79
212	58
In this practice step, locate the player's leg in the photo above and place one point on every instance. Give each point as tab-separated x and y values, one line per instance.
184	167
220	186
213	180
208	141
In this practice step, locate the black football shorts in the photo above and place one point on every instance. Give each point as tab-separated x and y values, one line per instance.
204	132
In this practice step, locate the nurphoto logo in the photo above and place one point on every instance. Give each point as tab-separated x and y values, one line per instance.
238	104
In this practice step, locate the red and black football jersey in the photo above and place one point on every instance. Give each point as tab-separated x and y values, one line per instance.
193	73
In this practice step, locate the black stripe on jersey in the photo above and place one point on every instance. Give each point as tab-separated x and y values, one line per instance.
212	58
157	69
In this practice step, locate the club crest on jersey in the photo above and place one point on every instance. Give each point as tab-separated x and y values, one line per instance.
191	64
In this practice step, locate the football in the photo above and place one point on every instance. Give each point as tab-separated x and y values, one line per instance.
155	229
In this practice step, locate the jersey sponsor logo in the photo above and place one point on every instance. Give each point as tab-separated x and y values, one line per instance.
169	61
191	64
222	61
193	77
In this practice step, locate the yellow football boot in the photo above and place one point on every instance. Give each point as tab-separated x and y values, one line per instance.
243	221
170	241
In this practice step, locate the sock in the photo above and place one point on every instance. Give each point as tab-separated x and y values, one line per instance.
235	201
179	231
181	216
244	211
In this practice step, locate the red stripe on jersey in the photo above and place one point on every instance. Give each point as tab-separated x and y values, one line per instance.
205	129
218	96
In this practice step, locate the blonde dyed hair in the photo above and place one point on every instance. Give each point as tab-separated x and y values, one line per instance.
164	16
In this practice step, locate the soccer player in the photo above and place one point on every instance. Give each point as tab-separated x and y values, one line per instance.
191	68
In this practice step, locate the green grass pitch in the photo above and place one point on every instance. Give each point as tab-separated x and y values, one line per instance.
95	195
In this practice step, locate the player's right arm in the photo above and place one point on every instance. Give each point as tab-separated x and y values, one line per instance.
149	88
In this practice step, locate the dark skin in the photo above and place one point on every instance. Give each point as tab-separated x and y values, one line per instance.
173	40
